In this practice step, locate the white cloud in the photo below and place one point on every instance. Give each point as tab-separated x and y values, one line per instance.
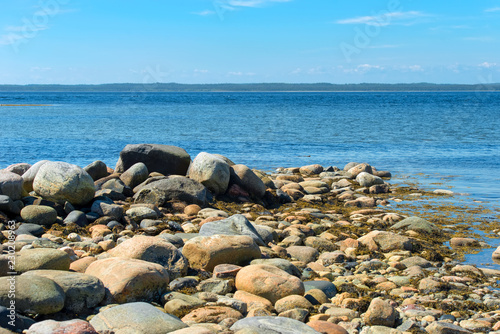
200	71
415	68
239	74
251	3
479	39
383	19
205	13
494	9
364	68
40	69
487	65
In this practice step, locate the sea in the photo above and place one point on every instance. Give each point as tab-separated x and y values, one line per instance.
433	136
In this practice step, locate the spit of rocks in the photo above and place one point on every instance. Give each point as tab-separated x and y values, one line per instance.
166	244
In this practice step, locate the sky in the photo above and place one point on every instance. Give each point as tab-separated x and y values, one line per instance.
249	41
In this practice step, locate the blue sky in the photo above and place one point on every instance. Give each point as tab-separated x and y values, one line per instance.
215	41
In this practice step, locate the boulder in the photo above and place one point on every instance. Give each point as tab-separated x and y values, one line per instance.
381	313
464	242
61	182
137	318
360	168
234	225
75	326
303	253
311	170
416	224
39	214
130	280
211	314
496	255
135	175
30	174
11	184
440	327
107	208
386	241
268	282
82	292
139	213
30	229
7	205
281	264
18	169
76	217
41	258
207	252
272	325
153	249
290	302
34	294
211	171
173	188
164	159
97	170
367	180
245	177
10	320
326	327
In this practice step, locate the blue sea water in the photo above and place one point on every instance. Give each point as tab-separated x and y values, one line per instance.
435	133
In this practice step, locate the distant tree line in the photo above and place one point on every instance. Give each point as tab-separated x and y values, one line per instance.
252	87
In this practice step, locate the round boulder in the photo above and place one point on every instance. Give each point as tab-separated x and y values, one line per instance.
11	184
211	171
39	214
61	182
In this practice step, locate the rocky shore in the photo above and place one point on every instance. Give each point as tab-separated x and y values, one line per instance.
164	243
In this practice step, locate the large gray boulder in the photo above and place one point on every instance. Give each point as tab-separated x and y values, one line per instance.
82	291
234	225
61	182
367	180
245	177
211	171
416	224
30	174
11	184
173	188
163	159
272	325
139	318
97	170
135	175
41	258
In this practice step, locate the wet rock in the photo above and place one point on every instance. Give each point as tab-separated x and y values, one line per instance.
129	280
41	258
207	252
464	242
164	159
39	214
211	171
175	188
496	254
245	177
234	225
30	229
61	182
367	180
137	318
75	326
36	295
380	312
269	282
271	325
211	314
11	184
97	170
10	320
82	292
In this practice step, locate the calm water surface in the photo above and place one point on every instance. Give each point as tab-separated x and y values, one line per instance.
437	134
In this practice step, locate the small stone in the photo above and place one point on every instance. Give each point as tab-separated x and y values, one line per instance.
292	302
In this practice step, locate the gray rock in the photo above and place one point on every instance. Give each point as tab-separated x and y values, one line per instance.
8	205
37	295
82	292
416	224
211	171
137	318
11	184
267	233
135	175
245	177
328	288
163	159
61	182
97	170
439	327
216	285
280	263
39	214
172	238
303	253
139	213
30	174
76	217
174	188
234	225
104	208
18	169
367	180
272	325
416	261
14	322
41	258
30	229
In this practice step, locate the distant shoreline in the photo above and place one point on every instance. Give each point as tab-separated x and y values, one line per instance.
251	88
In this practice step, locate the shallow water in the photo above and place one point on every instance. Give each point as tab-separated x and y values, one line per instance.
437	134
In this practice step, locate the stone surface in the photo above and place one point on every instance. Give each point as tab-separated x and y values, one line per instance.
33	229
211	314
464	242
153	249
272	325
303	253
367	180
41	258
281	264
30	174
76	217
385	241
291	302
327	287
130	280
174	188
136	318
7	205
416	224
11	184
135	175
380	312
137	214
245	177
75	326
61	182
207	252
268	281
234	225
82	292
34	294
96	170
163	159
107	208
18	169
211	171
439	327
39	214
10	320
326	327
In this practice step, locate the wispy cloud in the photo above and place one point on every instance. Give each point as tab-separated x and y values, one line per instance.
384	19
251	3
205	13
494	9
221	6
239	74
25	28
487	65
479	39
